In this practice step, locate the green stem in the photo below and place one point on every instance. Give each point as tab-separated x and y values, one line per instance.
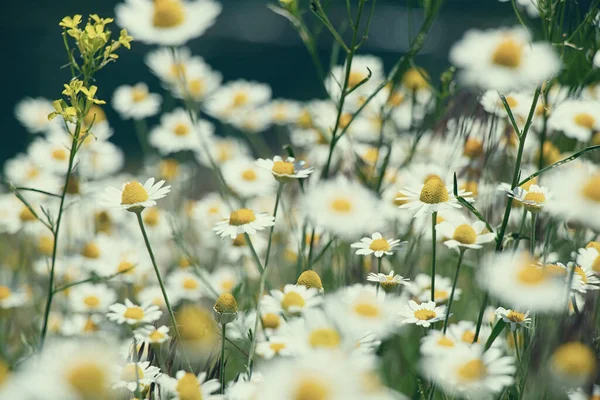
433	246
136	361
224	327
141	130
160	280
523	219
532	236
378	272
451	299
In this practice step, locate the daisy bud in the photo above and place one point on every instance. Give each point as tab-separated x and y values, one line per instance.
310	279
574	363
225	309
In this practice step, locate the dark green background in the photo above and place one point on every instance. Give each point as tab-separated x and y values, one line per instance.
248	41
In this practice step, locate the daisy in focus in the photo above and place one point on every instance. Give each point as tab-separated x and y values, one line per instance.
375	245
133	314
514	318
186	385
432	196
243	221
533	198
293	300
464	234
284	171
136	376
388	282
423	314
134	196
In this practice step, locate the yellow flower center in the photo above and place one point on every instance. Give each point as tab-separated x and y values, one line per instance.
355	78
226	303
379	245
91	301
249	175
277	347
341	205
445	342
434	192
168	13
515	316
367	310
128	374
91	250
26	215
240	99
310	279
440	295
196	325
32	172
584	120
283	168
531	275
59	154
227	285
537	197
242	216
465	234
425	315
396	99
133	193
188	387
125	267
473	148
292	299
508	54
271	321
152	216
181	129
345	120
324	337
4	292
593	245
90	326
305	120
189	284
169	169
472	370
177	70
591	189
95	114
581	273
414	79
155	335
196	87
596	265
88	379
574	359
134	313
139	93
311	389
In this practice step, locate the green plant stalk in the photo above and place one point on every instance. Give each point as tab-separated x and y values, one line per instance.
379	259
141	130
160	280
433	248
136	360
222	370
532	236
451	299
521	226
56	232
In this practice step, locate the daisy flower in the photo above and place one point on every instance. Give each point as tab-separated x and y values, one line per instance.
573	364
388	282
150	334
11	298
275	346
589	259
134	197
284	111
533	198
514	318
517	280
167	22
421	288
464	331
293	300
376	245
136	102
224	279
235	97
432	196
170	64
247	179
360	69
243	221
503	59
577	119
32	113
127	377
584	278
436	343
52	152
133	314
197	80
186	385
469	372
79	325
91	298
184	285
423	314
464	234
177	133
284	171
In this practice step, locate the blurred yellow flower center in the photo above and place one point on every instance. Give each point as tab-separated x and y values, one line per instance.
91	301
440	295
169	169
133	192
181	129
177	70
156	335
465	234
226	303
59	154
424	314
531	275
125	267
151	216
26	215
345	120
168	13
95	114
91	250
574	359
240	99
445	342
584	120
414	79
396	99
596	265
508	54
434	192
88	379
379	245
128	374
197	325
190	284
134	313
249	175
341	205
472	370
581	273
196	87
367	310
292	299
90	326
536	197
311	389
271	321
515	316
227	285
4	292
188	387
355	78
473	148
242	216
593	245
139	93
283	168
511	101
324	337
310	279
277	347
32	172
591	189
